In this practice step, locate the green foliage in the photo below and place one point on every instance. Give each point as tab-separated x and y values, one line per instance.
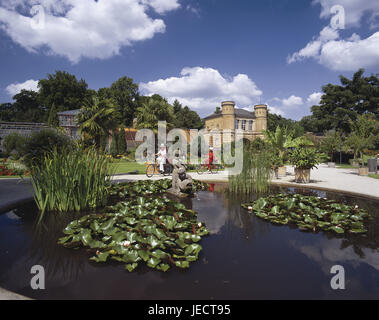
71	180
186	118
255	175
26	108
114	148
151	111
97	118
140	228
331	143
279	140
341	104
121	142
63	91
13	144
310	213
124	92
305	158
274	121
41	143
363	136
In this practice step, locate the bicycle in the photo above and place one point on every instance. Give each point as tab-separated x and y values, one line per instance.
214	168
153	169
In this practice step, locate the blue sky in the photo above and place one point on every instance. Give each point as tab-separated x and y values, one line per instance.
279	52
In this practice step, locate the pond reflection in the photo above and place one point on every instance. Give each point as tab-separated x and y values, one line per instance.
243	258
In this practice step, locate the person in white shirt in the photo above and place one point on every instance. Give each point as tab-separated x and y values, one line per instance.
162	155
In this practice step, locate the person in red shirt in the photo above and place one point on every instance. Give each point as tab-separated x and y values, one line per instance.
210	158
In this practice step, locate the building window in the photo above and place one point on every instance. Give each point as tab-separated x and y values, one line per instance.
237	124
243	125
250	125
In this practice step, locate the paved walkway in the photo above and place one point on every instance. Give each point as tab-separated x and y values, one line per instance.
344	180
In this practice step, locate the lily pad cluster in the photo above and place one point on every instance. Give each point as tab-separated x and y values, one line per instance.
144	187
154	230
310	213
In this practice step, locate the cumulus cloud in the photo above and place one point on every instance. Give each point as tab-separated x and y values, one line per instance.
314	98
205	88
292	102
15	88
86	28
347	54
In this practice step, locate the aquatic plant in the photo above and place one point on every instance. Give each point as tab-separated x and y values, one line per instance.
142	227
255	175
310	213
74	180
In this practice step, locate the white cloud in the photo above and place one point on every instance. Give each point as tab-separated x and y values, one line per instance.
85	28
347	54
292	102
205	88
162	6
15	88
351	55
312	49
314	98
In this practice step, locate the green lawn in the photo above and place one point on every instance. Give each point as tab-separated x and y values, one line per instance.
122	166
375	176
345	166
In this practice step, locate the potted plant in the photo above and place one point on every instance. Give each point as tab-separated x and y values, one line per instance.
304	159
276	164
362	137
277	140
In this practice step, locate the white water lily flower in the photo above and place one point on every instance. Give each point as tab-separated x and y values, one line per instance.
126	243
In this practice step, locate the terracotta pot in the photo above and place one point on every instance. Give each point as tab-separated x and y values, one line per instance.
363	171
302	175
282	171
331	164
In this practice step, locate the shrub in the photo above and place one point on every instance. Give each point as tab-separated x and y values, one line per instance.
13	144
113	149
121	143
41	143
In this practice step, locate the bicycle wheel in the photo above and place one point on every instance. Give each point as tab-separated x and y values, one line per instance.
200	169
214	169
168	170
150	170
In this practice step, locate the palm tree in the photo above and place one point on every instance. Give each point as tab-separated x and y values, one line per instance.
279	140
97	118
153	110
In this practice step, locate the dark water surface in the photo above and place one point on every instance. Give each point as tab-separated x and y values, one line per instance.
244	258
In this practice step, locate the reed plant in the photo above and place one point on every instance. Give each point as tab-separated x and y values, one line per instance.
71	181
256	173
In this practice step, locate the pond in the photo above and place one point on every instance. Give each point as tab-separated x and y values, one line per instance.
244	258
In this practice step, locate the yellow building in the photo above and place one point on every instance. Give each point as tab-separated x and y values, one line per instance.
231	118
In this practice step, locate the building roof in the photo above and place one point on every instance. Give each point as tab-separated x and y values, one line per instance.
69	113
239	113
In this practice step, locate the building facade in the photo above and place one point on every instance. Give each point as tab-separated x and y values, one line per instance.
67	120
231	118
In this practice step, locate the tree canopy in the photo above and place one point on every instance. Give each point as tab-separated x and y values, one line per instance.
342	104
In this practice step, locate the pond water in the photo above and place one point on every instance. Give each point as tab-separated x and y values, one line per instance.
243	258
